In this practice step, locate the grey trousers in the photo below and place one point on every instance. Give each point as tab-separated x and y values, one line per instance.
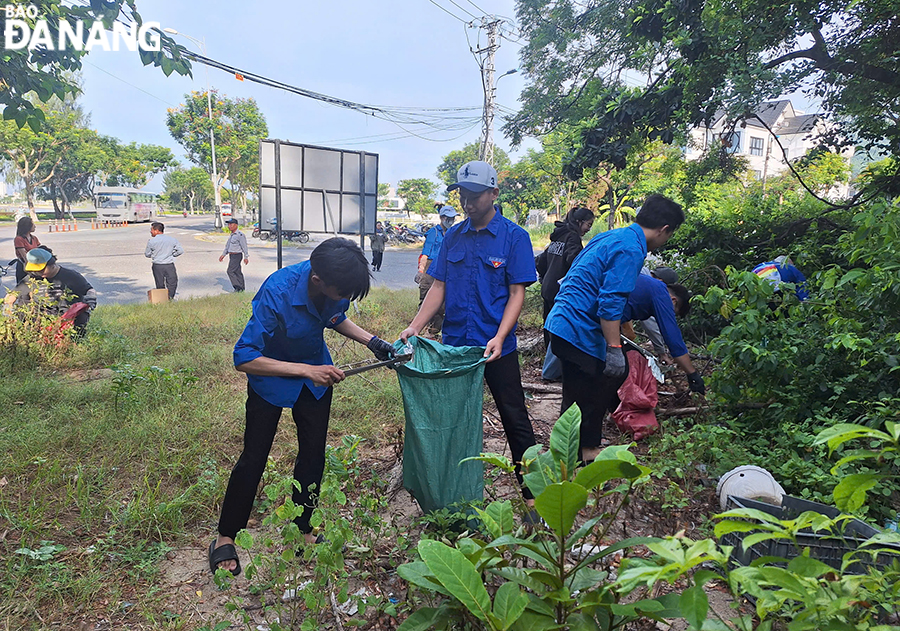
235	275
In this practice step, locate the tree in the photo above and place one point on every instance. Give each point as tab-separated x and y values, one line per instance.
238	125
47	73
384	189
72	179
418	194
35	156
446	172
699	56
133	164
188	189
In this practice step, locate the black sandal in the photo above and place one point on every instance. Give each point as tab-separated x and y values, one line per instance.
224	552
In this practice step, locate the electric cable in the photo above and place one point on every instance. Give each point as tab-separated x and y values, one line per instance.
450	13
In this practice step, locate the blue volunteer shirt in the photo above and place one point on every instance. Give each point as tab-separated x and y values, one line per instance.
477	268
286	325
433	240
651	298
596	287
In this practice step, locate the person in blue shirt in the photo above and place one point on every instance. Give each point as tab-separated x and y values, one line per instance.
782	270
433	240
585	319
480	274
654	298
282	350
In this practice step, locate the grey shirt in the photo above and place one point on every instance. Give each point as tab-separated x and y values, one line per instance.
236	243
163	249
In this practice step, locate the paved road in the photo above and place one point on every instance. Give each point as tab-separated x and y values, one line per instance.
113	259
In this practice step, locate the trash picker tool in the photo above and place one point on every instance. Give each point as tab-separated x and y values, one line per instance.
651	360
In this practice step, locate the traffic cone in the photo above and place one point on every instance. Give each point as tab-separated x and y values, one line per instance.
75	225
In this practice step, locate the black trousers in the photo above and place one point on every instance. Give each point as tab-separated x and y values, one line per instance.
311	418
505	382
585	384
166	277
377	258
235	275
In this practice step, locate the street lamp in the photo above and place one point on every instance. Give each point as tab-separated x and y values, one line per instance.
201	44
513	71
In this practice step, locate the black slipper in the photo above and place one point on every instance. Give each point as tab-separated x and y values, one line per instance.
225	552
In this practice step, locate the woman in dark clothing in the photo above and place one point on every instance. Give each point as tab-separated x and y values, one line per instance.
565	244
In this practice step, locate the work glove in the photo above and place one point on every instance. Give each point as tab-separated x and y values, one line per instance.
695	382
418	277
382	350
615	362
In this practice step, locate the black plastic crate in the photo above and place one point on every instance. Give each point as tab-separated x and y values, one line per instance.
829	548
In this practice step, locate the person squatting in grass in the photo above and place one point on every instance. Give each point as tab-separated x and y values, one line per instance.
585	318
66	289
282	350
480	274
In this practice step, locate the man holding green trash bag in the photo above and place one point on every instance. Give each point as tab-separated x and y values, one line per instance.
480	275
282	350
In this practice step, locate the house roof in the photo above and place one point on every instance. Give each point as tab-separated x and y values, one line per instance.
769	112
799	124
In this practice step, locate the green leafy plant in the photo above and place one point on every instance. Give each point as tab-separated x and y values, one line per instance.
504	578
884	454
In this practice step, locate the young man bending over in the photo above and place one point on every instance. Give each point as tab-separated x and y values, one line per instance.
283	352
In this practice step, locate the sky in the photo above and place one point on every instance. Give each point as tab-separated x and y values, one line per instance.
409	53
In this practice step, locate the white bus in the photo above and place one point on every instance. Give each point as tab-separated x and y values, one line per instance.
120	203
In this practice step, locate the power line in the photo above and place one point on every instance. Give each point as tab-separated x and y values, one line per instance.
479	9
453	15
474	17
440	119
128	83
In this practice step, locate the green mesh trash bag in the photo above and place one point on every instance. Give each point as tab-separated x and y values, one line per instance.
442	400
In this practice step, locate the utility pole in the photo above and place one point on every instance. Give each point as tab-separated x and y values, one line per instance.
487	78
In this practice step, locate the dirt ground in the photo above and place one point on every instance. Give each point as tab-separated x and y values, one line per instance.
193	595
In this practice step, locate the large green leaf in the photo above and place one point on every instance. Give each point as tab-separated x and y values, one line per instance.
509	604
417	573
583	530
457	574
582	622
850	493
694	605
542	473
601	471
420	620
586	578
565	438
523	578
559	505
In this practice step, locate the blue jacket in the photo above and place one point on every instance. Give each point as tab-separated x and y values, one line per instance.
651	298
596	288
777	274
433	240
286	325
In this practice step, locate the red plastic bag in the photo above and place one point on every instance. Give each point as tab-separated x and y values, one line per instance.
638	396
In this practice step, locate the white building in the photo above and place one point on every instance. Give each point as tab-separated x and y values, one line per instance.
796	131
